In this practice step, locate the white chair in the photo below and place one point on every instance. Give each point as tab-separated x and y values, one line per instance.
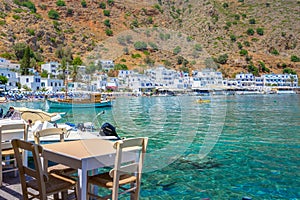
7	133
124	177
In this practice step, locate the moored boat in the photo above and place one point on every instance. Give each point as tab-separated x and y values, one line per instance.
93	101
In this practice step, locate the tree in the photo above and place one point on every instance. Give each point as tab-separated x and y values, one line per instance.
222	59
77	61
25	63
44	74
3	79
19	49
74	72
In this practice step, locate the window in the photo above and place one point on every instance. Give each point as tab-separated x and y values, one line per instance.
27	80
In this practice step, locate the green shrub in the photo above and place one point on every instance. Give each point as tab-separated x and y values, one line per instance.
123	60
110	2
70	12
2	22
102	5
260	31
252	21
83	3
109	32
140	46
27	4
237	17
119	66
137	55
242	1
2	15
252	69
240	46
288	71
244	15
106	13
18	10
243	52
295	58
134	23
107	23
250	31
43	7
198	47
147	53
153	46
263	67
60	3
177	50
53	14
158	8
274	51
232	38
16	17
189	38
30	32
222	59
225	5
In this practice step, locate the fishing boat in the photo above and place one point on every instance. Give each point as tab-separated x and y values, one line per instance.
94	100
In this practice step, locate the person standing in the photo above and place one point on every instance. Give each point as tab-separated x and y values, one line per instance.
9	113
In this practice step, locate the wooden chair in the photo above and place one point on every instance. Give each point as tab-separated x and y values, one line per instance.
7	133
125	177
41	184
59	168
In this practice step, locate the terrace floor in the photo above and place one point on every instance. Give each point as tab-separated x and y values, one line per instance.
11	188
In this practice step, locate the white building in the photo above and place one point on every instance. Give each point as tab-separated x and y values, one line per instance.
281	80
162	77
245	80
140	83
54	85
12	78
31	81
51	68
207	78
7	64
105	64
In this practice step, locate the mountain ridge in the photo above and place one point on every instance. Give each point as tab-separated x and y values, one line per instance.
220	27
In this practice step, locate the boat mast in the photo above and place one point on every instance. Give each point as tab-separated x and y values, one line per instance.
66	81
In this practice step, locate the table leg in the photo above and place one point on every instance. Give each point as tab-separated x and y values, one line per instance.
82	190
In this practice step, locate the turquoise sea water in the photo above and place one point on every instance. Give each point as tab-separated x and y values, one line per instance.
233	147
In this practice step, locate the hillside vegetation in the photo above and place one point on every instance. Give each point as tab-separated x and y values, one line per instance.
256	36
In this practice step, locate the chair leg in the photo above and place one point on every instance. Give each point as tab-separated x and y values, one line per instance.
55	196
64	195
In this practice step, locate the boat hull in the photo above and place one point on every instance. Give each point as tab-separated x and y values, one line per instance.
60	104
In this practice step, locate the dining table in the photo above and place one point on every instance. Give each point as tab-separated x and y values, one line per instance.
85	156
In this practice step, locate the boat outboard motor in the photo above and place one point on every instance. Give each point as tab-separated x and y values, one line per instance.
80	126
108	130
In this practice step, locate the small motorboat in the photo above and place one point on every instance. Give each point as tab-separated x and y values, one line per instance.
203	101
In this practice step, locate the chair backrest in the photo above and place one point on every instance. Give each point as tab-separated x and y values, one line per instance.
35	172
137	146
12	131
48	132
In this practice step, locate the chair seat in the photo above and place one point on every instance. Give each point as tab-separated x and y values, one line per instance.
61	169
104	180
54	184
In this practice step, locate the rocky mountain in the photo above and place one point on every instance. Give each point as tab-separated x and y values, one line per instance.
232	35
